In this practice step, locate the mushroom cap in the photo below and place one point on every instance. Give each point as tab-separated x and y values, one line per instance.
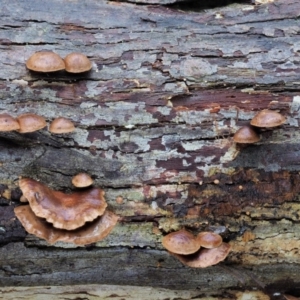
209	240
8	123
246	135
45	61
30	122
90	233
205	257
267	118
65	211
181	242
61	125
82	180
77	63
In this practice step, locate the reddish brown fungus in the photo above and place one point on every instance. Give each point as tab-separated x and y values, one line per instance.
246	135
77	63
267	118
61	125
30	122
8	123
65	211
181	242
205	257
82	180
209	239
45	61
91	232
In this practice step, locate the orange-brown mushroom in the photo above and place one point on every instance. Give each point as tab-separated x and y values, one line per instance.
181	242
267	118
8	123
77	63
30	122
209	240
61	125
90	233
82	180
65	211
45	61
205	257
246	135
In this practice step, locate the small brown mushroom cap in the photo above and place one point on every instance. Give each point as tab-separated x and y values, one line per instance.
246	135
90	233
77	63
205	257
8	123
45	61
209	240
65	211
82	180
267	118
61	125
181	242
30	122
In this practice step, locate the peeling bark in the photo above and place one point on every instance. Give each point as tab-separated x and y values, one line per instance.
154	124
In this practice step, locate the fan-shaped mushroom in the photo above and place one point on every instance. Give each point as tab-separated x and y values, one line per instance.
209	240
77	63
8	123
90	233
267	118
61	125
246	135
65	211
30	122
82	180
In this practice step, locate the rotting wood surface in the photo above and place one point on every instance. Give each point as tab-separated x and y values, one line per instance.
154	124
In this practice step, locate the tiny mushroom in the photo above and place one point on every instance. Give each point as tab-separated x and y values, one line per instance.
30	122
205	257
45	61
8	123
246	135
90	233
61	125
77	63
181	242
267	118
209	240
65	211
82	180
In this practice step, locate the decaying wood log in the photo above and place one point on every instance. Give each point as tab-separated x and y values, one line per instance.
154	124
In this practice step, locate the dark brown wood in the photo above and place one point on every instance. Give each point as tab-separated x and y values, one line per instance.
154	124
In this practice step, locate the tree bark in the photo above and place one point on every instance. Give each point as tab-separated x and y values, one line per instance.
154	124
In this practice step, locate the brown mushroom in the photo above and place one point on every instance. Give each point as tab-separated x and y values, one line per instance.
65	211
77	63
205	257
45	61
181	242
61	125
82	180
90	233
30	122
8	123
267	118
246	135
209	240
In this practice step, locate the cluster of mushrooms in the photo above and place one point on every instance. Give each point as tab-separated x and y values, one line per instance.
264	119
80	218
201	251
29	122
48	61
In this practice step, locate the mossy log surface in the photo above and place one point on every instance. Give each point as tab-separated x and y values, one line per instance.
154	122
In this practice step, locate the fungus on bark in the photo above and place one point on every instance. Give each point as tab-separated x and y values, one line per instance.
246	135
268	118
89	233
77	63
82	180
61	125
181	242
204	258
45	61
209	240
30	122
8	123
65	211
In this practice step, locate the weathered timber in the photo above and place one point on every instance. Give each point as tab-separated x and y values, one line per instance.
154	124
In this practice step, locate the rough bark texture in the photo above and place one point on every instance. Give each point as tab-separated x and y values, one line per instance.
154	124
